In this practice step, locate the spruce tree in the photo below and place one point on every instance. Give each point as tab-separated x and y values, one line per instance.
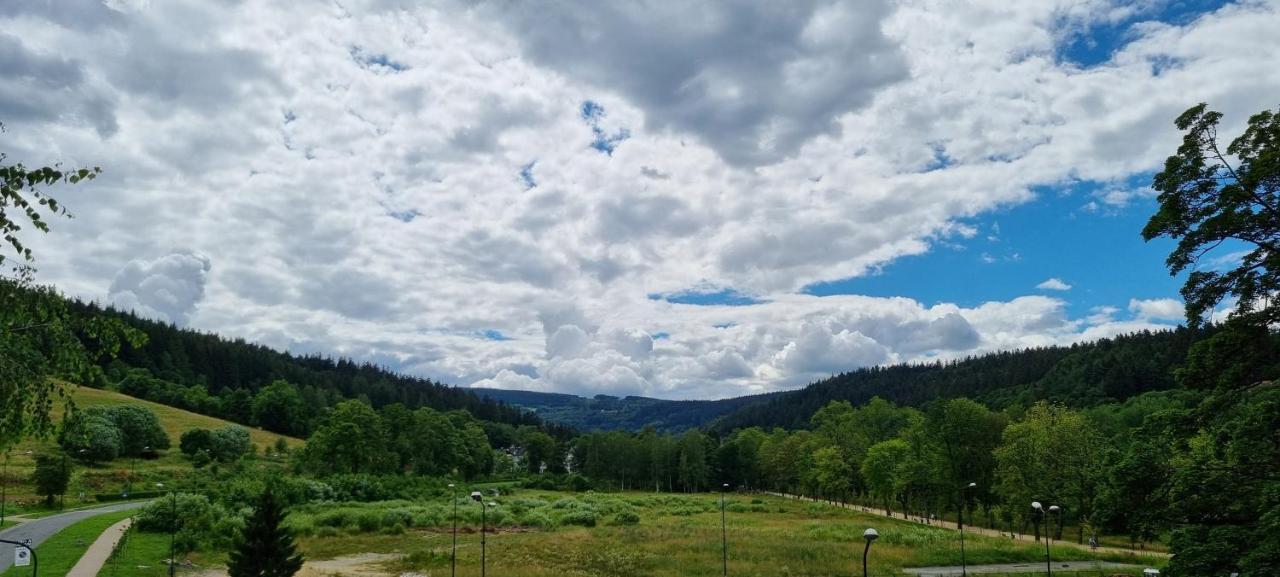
265	548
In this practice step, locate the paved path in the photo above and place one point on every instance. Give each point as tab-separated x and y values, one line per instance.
973	529
100	551
1064	566
37	530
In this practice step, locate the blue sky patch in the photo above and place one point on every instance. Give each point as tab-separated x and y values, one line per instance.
493	335
405	215
1096	45
526	175
724	297
593	113
376	62
1070	233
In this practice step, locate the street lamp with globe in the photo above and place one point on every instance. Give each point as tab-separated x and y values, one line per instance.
870	535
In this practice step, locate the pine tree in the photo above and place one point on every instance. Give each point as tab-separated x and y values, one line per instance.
265	548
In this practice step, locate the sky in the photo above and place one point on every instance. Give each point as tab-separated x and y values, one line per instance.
627	198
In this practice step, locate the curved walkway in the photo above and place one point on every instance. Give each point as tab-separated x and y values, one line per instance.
37	530
93	559
970	528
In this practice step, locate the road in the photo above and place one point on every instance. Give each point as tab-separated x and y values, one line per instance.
1064	566
37	530
973	529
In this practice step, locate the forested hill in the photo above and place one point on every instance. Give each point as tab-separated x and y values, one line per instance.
242	382
1081	375
608	413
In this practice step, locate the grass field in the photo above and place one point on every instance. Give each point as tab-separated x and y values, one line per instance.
113	477
545	534
60	552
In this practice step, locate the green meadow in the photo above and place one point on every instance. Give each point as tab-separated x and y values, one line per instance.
545	534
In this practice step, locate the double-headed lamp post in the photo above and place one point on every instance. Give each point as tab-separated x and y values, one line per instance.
870	535
964	499
1038	515
479	498
724	535
453	554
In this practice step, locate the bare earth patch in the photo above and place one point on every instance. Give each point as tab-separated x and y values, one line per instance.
359	565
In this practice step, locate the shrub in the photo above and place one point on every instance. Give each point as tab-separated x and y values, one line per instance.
368	521
537	519
582	517
578	483
91	437
198	521
626	518
140	430
397	517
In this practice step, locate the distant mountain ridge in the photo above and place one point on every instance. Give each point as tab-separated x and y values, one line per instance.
1080	375
630	413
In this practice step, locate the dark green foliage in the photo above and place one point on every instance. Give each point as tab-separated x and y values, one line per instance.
279	407
355	439
52	474
41	337
199	522
1211	195
1219	464
91	437
208	374
1220	487
223	444
140	430
265	547
1082	375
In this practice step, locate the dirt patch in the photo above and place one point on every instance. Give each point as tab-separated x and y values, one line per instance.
361	565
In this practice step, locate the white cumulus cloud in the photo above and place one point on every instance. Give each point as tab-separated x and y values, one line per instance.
1054	284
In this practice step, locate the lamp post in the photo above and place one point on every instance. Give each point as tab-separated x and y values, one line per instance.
133	472
1037	516
475	495
724	535
453	555
964	499
870	535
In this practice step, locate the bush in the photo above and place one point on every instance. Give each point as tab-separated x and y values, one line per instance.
368	521
224	444
92	437
537	519
199	522
397	517
581	517
140	430
578	483
626	518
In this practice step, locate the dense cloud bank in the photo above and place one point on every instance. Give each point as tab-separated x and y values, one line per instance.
493	192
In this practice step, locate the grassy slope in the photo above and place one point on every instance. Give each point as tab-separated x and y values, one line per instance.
175	421
116	475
